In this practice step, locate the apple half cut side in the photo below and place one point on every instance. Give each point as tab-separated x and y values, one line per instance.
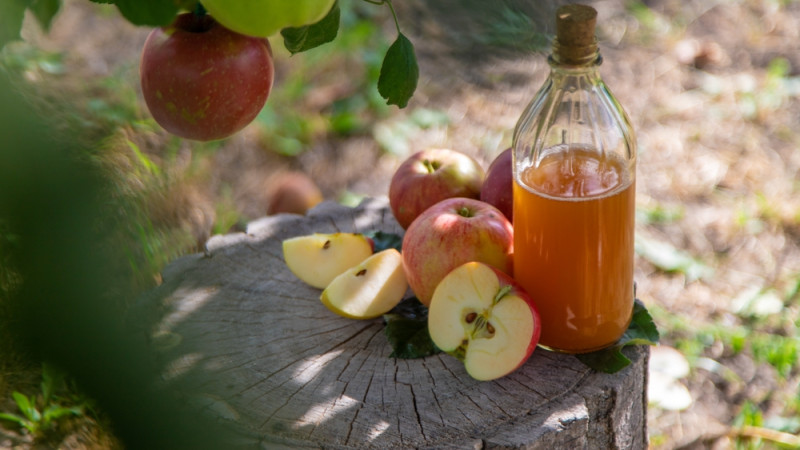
369	289
318	258
481	316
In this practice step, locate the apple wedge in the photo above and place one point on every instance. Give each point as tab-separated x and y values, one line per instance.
484	318
318	258
368	289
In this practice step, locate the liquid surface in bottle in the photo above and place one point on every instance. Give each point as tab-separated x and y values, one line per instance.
573	247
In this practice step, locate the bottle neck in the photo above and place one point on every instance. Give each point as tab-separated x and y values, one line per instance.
564	56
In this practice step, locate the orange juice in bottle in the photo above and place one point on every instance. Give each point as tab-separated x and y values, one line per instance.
574	196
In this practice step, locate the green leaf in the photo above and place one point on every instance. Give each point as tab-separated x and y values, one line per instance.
14	418
55	412
407	330
641	331
26	406
44	11
11	18
399	73
153	13
300	39
385	240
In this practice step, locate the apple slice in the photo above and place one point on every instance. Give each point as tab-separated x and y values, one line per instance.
318	258
370	288
484	318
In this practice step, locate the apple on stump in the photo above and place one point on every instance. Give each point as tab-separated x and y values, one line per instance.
498	186
316	259
368	289
481	316
450	233
429	176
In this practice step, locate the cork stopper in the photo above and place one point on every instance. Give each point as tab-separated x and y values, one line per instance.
575	41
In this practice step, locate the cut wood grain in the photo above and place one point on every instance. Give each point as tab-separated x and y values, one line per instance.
251	343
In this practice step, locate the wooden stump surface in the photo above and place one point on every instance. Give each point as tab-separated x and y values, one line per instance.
255	346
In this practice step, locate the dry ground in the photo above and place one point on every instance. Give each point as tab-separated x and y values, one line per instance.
713	89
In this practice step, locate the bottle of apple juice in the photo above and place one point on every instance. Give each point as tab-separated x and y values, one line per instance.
574	186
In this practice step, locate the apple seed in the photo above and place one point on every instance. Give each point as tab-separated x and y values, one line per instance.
326	245
471	317
361	273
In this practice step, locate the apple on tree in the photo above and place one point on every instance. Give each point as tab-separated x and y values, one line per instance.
318	258
263	18
368	289
484	318
429	176
497	189
450	233
203	81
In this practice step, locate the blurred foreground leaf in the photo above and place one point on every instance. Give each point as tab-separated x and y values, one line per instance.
55	207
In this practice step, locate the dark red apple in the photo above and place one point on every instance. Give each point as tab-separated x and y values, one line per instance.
202	81
497	189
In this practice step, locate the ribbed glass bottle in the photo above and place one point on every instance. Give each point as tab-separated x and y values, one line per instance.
574	196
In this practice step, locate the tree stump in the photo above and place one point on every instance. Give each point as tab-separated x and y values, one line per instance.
254	345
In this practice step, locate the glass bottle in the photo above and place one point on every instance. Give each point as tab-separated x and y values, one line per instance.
574	196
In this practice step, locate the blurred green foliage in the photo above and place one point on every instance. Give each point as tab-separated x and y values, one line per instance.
53	207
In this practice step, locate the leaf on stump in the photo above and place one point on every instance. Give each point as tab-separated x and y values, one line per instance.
641	331
407	330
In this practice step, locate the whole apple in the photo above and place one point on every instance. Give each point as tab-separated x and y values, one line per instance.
451	233
430	176
202	81
293	192
497	189
263	18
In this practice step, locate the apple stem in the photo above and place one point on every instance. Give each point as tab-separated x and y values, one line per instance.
199	10
465	211
432	166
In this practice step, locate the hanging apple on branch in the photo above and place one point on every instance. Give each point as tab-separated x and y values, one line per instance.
207	69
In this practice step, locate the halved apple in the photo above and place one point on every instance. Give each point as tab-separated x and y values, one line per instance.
484	318
370	288
318	258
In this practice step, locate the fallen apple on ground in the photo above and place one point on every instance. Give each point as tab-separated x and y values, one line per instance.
429	176
450	233
318	258
481	316
293	192
369	289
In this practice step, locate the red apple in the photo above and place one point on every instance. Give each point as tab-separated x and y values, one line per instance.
430	176
484	318
498	184
451	233
202	81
